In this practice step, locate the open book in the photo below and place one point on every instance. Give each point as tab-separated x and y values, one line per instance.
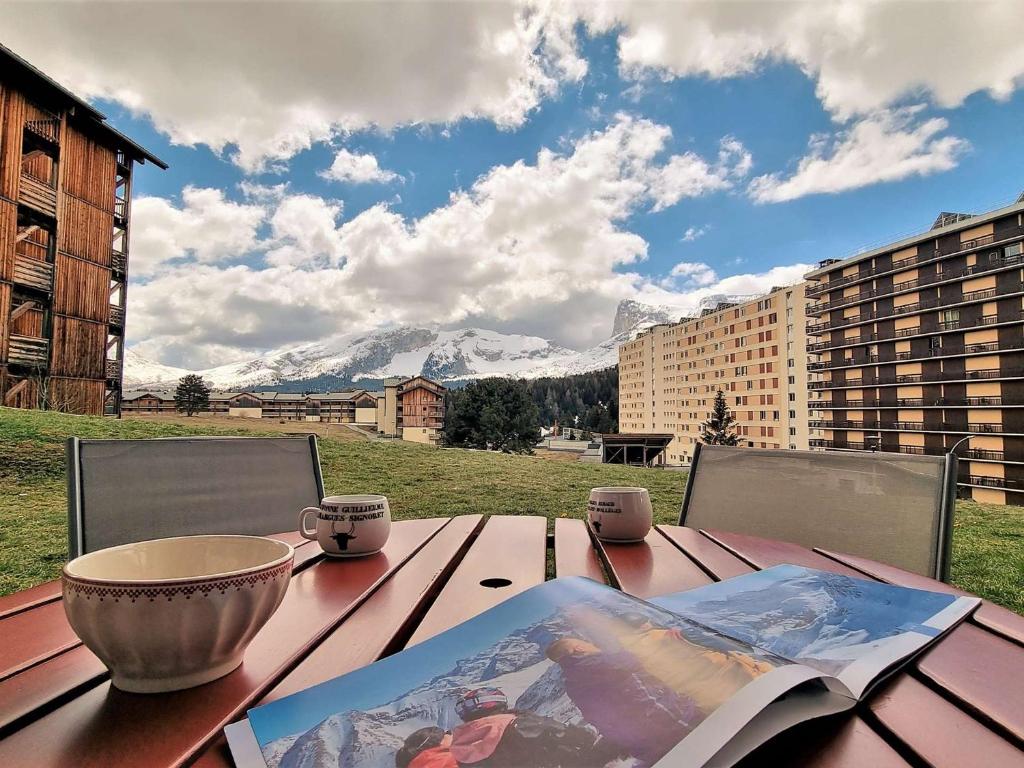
574	673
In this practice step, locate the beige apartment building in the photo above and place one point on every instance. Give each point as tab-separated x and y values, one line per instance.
752	351
918	345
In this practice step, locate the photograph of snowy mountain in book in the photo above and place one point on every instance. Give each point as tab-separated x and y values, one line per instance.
824	620
580	675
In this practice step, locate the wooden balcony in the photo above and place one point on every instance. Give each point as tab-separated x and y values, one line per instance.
118	262
113	370
33	273
46	129
28	351
116	316
38	195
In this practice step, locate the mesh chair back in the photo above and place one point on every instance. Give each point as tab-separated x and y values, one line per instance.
120	491
890	507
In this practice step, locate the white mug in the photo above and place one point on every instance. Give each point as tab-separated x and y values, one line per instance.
620	514
348	526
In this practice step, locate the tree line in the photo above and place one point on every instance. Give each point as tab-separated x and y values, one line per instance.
587	401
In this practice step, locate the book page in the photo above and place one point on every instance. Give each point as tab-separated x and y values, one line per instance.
568	673
853	629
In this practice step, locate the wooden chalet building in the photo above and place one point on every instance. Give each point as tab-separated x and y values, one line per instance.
420	409
65	198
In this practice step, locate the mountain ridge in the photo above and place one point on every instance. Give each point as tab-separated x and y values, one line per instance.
452	355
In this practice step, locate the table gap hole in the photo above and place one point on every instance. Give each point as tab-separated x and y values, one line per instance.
495	583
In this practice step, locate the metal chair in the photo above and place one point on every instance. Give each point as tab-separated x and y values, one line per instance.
120	491
890	507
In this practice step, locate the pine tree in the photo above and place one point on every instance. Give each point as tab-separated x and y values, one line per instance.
192	394
495	414
720	427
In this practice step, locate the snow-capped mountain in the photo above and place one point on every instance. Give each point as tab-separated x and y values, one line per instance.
443	355
515	664
633	315
139	369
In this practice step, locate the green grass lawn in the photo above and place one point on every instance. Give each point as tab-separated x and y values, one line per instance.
419	481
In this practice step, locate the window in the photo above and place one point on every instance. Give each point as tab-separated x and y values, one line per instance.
792	414
792	379
792	432
792	395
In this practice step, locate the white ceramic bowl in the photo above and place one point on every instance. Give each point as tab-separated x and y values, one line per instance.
174	613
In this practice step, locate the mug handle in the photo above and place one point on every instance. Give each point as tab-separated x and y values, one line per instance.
305	532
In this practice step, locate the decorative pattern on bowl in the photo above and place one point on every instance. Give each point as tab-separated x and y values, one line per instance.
157	631
132	591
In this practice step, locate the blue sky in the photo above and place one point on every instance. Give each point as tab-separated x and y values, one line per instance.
775	136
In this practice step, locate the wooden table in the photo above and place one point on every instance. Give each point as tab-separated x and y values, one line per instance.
961	704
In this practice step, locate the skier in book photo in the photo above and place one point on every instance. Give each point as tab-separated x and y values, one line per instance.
644	717
494	736
709	676
426	748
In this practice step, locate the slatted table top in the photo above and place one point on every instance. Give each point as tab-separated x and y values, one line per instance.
961	703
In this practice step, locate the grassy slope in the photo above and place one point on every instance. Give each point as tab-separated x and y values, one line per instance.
420	482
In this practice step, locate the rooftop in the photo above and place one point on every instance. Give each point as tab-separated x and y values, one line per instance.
86	116
946	223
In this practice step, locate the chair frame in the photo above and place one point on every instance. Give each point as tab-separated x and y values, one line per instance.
947	502
76	500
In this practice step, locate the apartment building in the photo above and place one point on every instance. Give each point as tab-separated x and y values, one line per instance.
412	408
752	351
918	344
65	206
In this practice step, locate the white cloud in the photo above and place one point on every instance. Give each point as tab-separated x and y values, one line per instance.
689	284
887	146
694	233
693	274
266	81
274	85
358	169
689	175
541	248
752	283
206	227
862	55
304	232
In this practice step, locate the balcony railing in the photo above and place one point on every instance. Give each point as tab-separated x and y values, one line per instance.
28	351
968	349
118	262
116	316
917	450
38	195
940	302
914	378
904	426
994	482
906	285
47	129
910	402
901	333
33	273
910	261
113	370
982	453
